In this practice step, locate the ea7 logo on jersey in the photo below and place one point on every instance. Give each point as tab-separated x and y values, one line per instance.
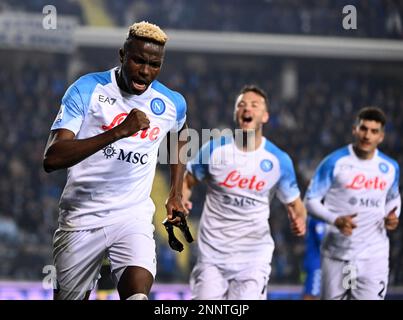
102	98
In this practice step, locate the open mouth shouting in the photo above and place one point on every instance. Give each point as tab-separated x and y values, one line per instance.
246	120
139	85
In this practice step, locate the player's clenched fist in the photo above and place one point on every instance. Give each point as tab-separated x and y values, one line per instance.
136	120
391	220
346	224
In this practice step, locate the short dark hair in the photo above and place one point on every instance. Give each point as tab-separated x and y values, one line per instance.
254	88
372	113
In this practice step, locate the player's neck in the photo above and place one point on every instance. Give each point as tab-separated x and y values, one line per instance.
119	80
250	141
363	154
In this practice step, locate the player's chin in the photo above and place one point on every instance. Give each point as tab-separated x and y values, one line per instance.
138	87
365	146
247	126
138	92
299	233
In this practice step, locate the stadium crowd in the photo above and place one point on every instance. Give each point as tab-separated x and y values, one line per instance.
379	19
375	18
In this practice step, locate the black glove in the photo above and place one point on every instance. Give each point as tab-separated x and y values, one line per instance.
174	243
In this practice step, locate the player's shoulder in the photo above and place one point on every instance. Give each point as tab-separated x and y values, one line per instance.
217	143
209	147
90	80
177	98
279	153
337	155
83	88
388	159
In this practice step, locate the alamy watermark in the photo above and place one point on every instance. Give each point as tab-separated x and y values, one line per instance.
350	17
49	279
193	145
49	21
350	278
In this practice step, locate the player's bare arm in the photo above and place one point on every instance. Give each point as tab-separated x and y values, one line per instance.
189	181
297	215
63	151
174	201
345	224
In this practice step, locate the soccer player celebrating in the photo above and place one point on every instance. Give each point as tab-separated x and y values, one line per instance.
107	134
356	190
235	246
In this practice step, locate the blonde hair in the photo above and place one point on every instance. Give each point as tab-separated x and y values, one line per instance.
147	31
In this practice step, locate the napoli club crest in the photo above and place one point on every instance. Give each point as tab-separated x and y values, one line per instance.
266	165
157	106
383	167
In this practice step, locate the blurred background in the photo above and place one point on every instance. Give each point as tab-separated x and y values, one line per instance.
317	74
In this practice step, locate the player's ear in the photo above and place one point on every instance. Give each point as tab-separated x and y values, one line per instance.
354	129
382	136
266	117
121	55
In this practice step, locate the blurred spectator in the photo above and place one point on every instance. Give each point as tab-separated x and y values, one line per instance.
375	18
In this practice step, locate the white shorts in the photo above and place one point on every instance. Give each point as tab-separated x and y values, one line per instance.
241	281
78	255
354	280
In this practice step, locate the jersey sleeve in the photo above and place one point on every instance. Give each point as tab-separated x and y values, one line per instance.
287	190
181	108
322	180
75	104
199	165
318	187
393	198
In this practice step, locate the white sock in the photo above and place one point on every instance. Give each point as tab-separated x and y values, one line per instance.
138	296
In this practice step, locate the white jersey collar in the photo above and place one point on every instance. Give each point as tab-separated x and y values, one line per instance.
353	154
126	95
